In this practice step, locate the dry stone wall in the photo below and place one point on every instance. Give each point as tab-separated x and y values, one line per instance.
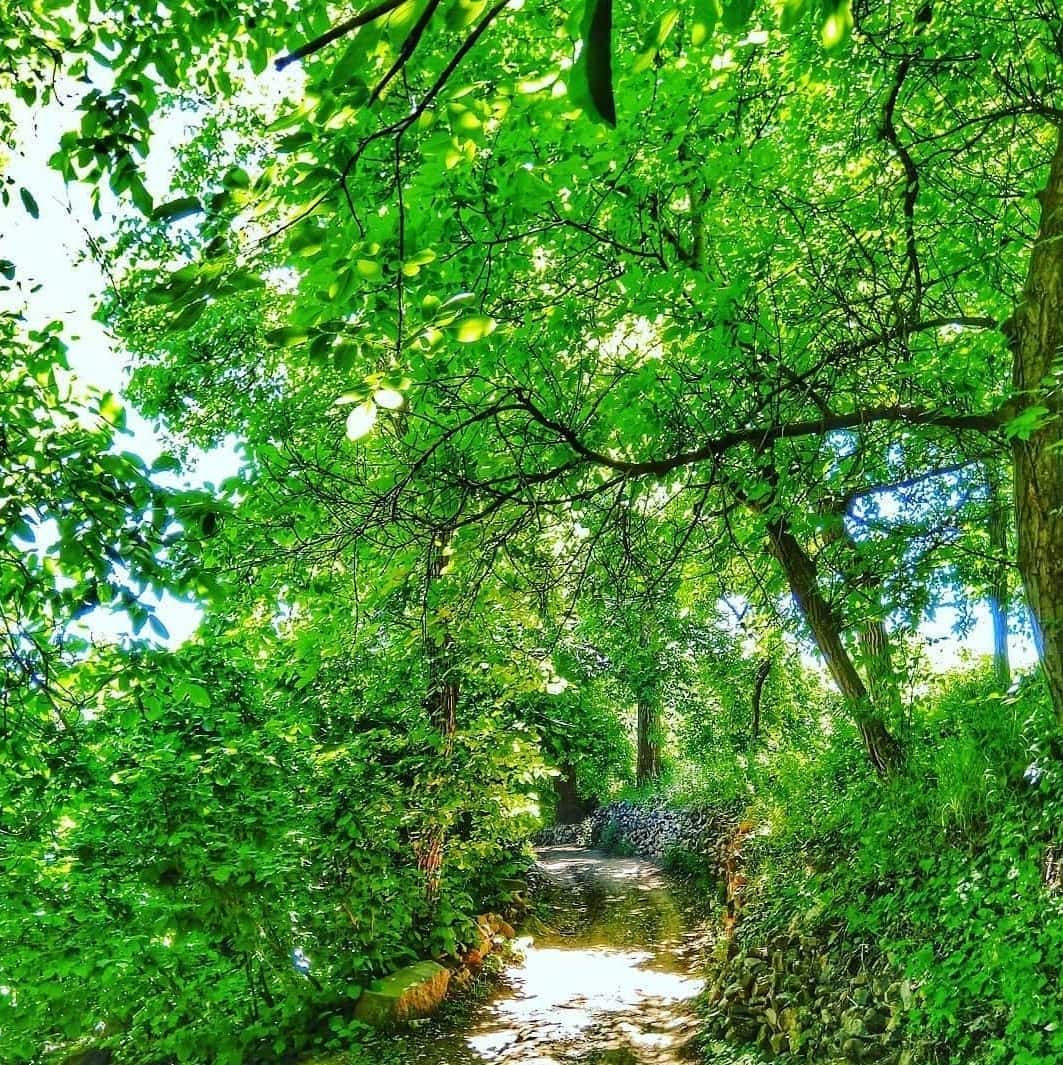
648	831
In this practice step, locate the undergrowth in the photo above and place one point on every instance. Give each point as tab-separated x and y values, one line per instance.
941	868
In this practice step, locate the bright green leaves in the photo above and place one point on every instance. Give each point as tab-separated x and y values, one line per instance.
190	289
368	269
378	392
463	13
735	14
706	15
85	527
834	18
195	693
469	330
837	23
658	33
389	398
591	84
413	265
1027	422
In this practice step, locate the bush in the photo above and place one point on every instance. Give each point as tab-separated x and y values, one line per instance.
940	868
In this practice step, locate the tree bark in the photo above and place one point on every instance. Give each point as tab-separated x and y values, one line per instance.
1037	337
441	703
758	690
998	586
878	665
648	753
882	748
875	655
571	807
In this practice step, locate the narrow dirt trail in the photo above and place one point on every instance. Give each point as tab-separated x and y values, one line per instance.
608	978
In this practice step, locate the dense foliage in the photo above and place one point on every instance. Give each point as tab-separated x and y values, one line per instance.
588	370
944	871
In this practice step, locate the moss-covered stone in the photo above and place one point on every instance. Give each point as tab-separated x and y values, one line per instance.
414	991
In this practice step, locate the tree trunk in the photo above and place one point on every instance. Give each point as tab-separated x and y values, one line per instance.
441	702
875	656
878	665
648	754
998	589
758	690
883	750
1037	337
571	808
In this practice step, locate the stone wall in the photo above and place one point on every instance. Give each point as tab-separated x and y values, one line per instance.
648	831
810	996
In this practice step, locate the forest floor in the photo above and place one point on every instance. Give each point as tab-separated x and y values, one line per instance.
607	974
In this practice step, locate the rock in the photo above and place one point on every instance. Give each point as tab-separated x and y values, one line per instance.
875	1021
414	991
474	957
853	1049
651	831
89	1056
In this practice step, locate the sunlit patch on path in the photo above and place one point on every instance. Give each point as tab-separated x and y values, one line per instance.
607	976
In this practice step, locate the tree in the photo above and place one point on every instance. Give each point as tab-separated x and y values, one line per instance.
884	347
1036	332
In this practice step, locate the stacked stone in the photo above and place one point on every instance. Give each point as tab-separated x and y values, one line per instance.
578	835
648	831
653	831
793	996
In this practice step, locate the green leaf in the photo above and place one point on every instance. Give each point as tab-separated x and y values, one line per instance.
706	18
464	13
469	330
189	315
837	25
658	33
360	421
29	203
592	74
737	13
388	398
236	178
197	694
1025	424
175	210
287	336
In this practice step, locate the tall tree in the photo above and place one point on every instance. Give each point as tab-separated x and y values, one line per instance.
1036	331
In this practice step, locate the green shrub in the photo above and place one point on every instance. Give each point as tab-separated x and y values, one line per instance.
941	868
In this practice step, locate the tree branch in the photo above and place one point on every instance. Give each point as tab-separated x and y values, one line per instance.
338	31
409	46
763	435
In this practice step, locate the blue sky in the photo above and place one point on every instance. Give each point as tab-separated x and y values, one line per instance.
61	282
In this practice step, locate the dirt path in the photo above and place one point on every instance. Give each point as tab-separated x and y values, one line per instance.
608	976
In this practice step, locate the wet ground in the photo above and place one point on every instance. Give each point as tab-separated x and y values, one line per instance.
608	976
